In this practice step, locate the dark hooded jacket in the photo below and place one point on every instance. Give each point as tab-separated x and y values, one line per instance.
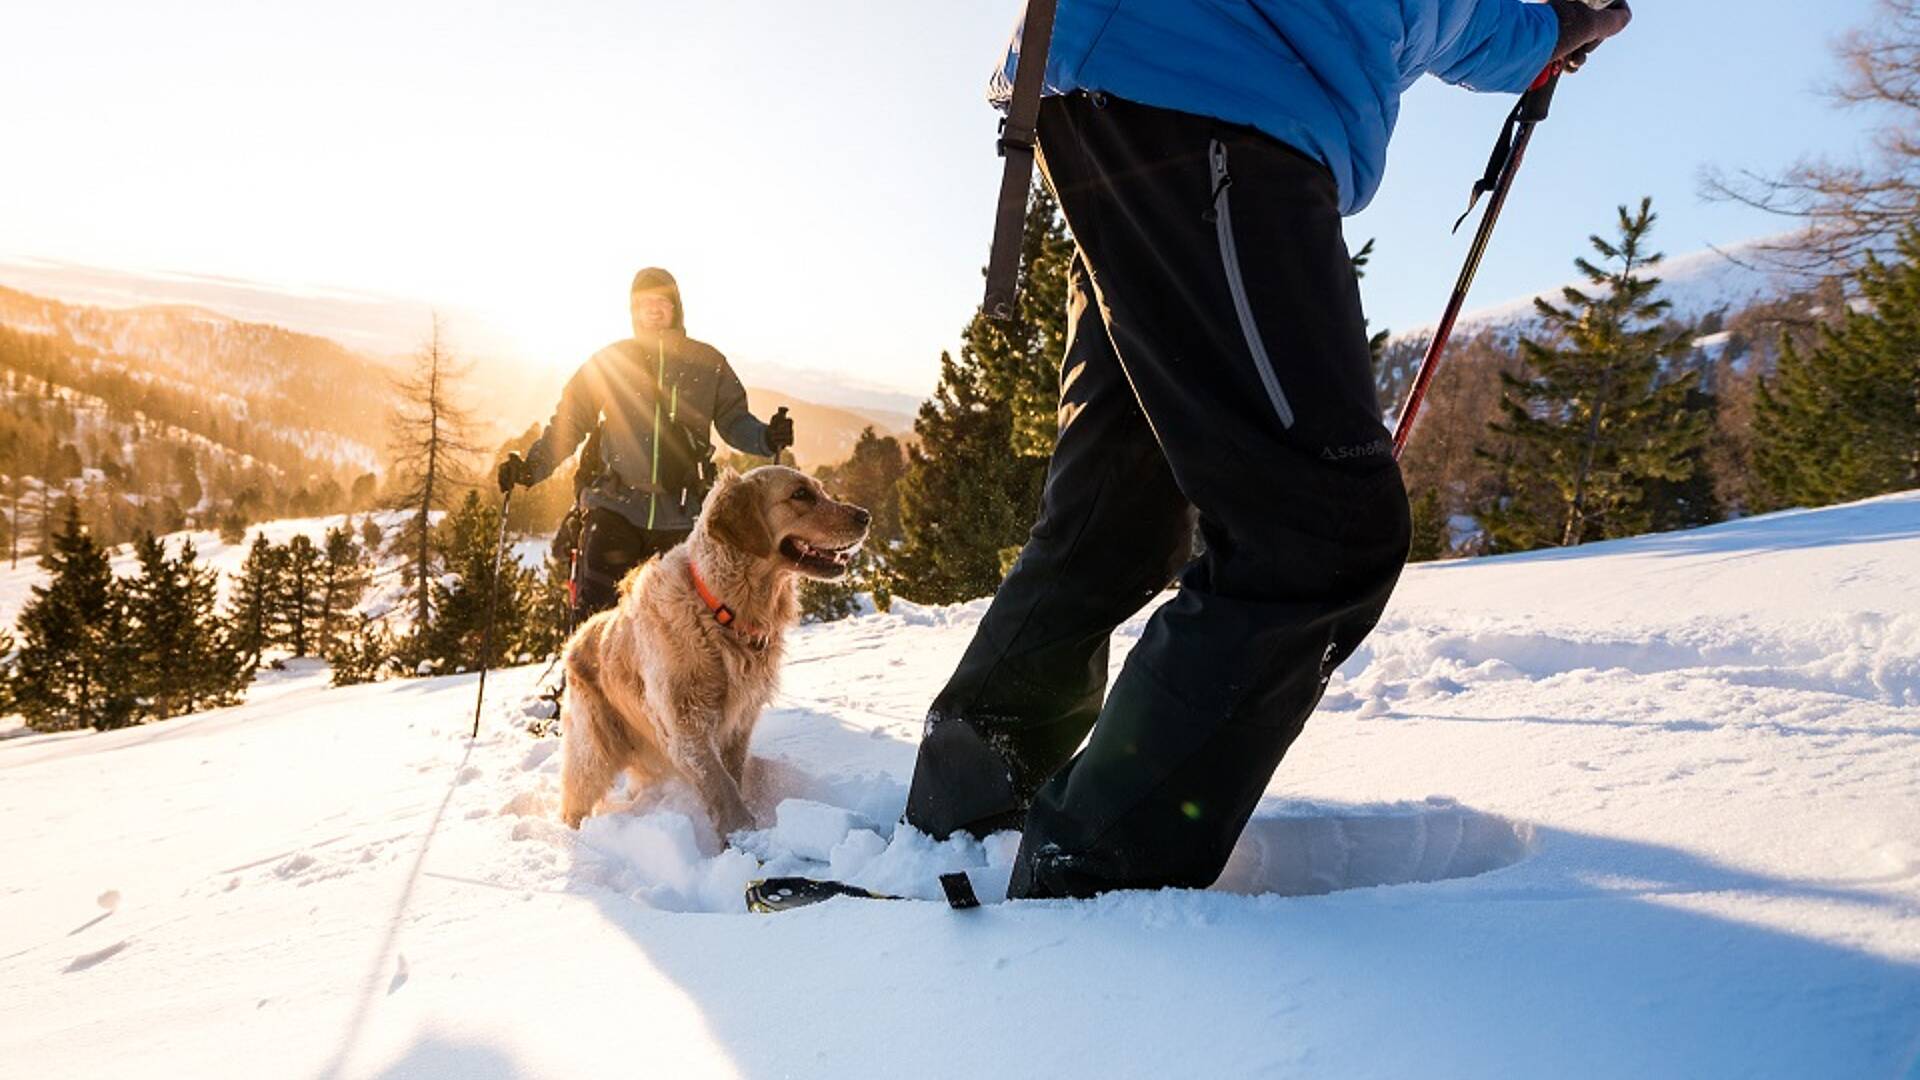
655	399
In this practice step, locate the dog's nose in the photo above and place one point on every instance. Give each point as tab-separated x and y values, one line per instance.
862	516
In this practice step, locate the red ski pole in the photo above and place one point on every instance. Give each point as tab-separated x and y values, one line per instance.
1501	169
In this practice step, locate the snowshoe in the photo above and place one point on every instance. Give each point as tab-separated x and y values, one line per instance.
770	895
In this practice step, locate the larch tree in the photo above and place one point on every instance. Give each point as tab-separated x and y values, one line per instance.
1846	210
432	451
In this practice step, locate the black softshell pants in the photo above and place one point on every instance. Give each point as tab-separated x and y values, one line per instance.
609	547
1217	362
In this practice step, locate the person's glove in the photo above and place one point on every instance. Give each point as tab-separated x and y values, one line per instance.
1582	29
515	470
779	431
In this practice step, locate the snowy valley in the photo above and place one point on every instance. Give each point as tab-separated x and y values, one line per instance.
1648	807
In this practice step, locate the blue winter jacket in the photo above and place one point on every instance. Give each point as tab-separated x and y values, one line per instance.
1323	76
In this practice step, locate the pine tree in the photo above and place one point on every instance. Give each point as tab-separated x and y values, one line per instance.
186	660
363	655
302	594
74	665
466	540
255	616
549	613
1841	420
871	478
157	624
219	669
9	671
345	575
1429	527
972	487
1600	416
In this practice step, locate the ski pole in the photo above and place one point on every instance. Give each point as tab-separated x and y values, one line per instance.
493	599
1501	169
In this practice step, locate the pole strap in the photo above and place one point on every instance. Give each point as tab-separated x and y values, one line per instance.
1018	130
1530	109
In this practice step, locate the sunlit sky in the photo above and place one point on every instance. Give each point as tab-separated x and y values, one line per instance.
819	176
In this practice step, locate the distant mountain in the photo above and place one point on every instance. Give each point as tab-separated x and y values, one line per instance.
1696	284
330	399
823	434
378	326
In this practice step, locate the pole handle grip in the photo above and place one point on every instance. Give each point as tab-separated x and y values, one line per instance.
1535	103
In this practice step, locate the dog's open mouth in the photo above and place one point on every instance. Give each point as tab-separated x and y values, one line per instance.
818	561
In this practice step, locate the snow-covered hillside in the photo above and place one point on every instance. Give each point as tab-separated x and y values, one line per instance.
1697	284
1648	808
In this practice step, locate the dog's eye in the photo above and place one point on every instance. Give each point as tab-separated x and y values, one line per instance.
804	494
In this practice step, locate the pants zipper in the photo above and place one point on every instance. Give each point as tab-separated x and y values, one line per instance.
1230	260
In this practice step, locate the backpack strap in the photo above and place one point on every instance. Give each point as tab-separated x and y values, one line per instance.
1017	131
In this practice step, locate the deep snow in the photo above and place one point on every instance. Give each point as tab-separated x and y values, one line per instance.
1644	808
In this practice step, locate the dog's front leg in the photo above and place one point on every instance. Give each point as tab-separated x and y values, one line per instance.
695	754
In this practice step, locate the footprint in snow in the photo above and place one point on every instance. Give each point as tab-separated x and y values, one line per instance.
399	975
98	956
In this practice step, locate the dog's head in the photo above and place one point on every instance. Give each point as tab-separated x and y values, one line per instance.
785	516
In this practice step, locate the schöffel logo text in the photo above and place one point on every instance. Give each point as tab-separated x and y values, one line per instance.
1361	450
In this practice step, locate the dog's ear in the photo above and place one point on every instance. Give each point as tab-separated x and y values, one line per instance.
734	516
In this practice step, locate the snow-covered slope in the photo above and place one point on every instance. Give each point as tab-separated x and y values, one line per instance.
1650	808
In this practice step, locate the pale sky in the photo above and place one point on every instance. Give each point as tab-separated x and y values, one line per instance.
820	176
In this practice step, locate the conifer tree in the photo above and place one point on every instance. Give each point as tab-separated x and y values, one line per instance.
9	670
74	663
1429	540
1599	416
466	541
972	487
255	617
157	624
364	654
1841	420
549	616
218	667
186	660
871	478
302	594
344	579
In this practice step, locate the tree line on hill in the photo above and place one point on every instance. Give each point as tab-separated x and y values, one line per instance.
134	455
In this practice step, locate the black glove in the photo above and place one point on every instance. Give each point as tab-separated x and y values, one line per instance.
779	431
1582	29
515	470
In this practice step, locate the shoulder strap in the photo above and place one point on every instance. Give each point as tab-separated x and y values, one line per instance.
1016	146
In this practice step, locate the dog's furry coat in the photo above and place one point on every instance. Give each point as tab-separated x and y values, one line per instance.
658	686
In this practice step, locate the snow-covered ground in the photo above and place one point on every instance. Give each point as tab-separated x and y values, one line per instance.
1649	808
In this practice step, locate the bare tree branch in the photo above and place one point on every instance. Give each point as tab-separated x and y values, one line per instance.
1847	211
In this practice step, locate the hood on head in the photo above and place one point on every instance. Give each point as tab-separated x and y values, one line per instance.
654	279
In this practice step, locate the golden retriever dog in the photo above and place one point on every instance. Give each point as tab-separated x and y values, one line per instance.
671	679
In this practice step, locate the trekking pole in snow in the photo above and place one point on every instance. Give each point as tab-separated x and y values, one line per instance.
493	599
1498	181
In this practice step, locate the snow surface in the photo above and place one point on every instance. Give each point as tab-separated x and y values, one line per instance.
1647	808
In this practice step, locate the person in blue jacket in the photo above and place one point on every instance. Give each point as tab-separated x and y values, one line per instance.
1203	153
